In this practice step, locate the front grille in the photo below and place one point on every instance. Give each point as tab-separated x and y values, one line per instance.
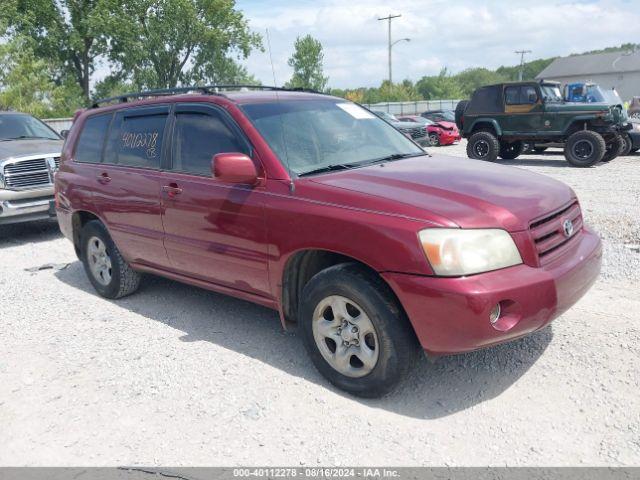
29	173
549	234
417	132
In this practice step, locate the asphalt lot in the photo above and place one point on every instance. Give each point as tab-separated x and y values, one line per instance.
179	376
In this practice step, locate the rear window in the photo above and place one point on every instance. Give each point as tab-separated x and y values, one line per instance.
91	141
138	141
486	100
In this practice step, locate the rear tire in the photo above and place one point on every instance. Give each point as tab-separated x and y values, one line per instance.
511	151
613	149
483	146
108	272
584	148
344	297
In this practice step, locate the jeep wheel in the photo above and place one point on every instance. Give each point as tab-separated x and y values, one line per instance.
434	139
355	332
510	151
613	149
459	114
584	148
628	145
108	272
483	146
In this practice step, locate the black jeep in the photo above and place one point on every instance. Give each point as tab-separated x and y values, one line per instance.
499	119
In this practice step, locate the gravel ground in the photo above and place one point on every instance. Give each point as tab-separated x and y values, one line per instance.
179	376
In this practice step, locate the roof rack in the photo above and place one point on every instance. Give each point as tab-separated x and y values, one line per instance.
207	89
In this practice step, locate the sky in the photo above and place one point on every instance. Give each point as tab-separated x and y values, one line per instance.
455	34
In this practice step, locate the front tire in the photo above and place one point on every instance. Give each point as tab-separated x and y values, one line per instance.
108	272
355	332
613	149
434	139
584	148
483	146
511	151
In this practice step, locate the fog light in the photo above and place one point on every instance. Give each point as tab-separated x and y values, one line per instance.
494	314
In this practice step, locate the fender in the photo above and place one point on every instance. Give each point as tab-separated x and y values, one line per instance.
579	120
490	120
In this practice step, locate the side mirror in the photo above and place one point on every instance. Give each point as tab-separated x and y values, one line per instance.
64	133
234	168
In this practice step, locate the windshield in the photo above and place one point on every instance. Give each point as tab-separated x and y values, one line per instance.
551	93
19	126
313	134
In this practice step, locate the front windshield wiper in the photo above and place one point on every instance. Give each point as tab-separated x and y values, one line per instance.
392	157
327	168
23	137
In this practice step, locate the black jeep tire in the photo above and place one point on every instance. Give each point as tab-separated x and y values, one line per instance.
459	113
511	151
628	145
434	139
584	148
483	146
117	279
613	149
397	348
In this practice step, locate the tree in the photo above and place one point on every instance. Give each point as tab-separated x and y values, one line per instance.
472	78
164	43
442	86
306	62
26	85
67	34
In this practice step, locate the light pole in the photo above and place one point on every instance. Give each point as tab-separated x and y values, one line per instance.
522	54
391	44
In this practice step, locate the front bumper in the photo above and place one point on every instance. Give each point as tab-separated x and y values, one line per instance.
451	315
16	207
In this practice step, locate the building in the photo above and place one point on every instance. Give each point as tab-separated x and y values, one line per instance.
609	70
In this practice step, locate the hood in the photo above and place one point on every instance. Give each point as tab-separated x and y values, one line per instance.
467	193
26	147
446	125
577	107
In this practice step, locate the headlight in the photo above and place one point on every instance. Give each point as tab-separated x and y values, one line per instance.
455	252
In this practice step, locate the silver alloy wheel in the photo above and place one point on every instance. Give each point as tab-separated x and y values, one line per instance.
99	261
345	336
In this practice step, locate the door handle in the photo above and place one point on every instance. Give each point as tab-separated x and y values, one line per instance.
172	190
104	178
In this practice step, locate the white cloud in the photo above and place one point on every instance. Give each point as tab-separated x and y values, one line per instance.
452	33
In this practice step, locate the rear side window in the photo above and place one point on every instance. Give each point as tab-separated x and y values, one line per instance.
486	100
200	136
138	140
91	141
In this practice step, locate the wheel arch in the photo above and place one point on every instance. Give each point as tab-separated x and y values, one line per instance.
300	267
79	219
486	124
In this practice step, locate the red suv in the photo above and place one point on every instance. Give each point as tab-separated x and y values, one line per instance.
313	206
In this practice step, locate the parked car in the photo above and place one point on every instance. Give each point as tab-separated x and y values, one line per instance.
29	157
585	92
634	108
312	206
500	118
440	133
440	115
415	133
634	137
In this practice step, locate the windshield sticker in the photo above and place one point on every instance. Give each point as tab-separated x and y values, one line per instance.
355	111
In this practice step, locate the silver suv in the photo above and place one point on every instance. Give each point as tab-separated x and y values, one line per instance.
29	157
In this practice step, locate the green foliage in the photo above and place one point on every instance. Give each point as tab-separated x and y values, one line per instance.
68	35
306	62
164	43
443	85
26	83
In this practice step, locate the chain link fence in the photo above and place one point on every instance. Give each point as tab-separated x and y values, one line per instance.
413	108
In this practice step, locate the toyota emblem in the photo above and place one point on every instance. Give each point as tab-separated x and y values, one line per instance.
567	228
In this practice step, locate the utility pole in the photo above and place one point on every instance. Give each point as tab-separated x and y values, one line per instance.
522	54
389	18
